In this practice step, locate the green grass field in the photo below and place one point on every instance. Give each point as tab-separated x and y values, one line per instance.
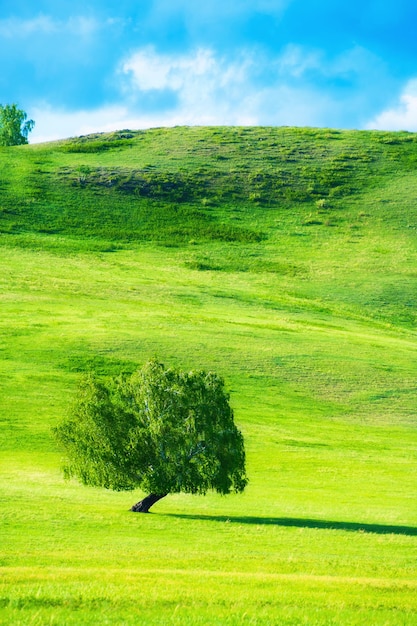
283	259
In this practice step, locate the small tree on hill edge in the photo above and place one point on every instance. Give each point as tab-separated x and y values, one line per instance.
163	430
14	126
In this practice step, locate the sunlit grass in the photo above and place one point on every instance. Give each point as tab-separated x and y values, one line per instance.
205	557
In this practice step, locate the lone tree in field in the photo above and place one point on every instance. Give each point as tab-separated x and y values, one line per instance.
14	126
163	430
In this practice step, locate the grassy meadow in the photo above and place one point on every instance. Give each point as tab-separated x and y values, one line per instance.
285	260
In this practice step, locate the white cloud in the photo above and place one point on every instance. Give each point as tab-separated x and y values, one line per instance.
249	88
401	117
203	88
84	26
295	61
209	89
54	124
45	25
273	106
14	27
148	70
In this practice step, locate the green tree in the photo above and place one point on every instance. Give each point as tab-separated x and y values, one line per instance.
14	126
163	430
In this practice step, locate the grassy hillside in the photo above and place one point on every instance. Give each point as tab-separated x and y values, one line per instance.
284	259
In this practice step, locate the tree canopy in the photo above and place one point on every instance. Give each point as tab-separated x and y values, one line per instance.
160	429
14	125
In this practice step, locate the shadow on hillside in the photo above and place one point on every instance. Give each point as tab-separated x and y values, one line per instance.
290	522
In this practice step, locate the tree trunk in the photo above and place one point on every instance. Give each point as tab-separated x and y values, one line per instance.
144	505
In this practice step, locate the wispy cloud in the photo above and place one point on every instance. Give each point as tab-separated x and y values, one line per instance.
45	25
14	27
296	61
208	89
403	116
254	84
53	123
246	87
149	70
220	8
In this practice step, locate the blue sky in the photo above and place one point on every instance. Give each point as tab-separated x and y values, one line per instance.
84	66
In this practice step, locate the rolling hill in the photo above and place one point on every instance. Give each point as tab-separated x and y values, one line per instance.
282	258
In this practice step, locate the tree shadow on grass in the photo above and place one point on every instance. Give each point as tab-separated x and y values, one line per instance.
291	522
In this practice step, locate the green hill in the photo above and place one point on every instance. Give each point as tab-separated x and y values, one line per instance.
282	258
